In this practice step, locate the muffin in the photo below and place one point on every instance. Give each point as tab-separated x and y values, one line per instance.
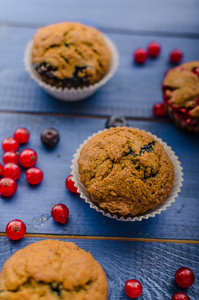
52	269
125	171
70	55
181	95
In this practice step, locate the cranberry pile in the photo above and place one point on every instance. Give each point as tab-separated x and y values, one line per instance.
11	170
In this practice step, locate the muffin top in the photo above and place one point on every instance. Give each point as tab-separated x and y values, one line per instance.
52	269
181	87
125	171
70	54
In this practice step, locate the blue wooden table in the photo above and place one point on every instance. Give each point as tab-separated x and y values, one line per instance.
151	250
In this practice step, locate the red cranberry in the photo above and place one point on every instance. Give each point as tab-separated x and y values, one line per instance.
9	157
7	187
50	137
140	56
60	213
154	49
15	229
34	175
176	56
21	135
133	288
159	109
11	170
70	185
10	144
180	296
1	169
28	158
184	277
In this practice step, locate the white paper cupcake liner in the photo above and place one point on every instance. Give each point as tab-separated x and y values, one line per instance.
72	94
161	207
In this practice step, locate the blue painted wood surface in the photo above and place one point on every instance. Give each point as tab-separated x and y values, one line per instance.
132	91
179	16
33	204
153	264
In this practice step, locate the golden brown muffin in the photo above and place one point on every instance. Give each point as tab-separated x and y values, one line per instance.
125	171
181	95
52	270
70	55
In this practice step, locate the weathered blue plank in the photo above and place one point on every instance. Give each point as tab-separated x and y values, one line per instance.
153	264
131	92
179	16
33	204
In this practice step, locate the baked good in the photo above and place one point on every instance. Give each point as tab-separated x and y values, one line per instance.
125	171
181	95
52	269
70	55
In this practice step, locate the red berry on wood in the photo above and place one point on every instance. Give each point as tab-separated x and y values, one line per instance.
140	56
184	277
180	296
7	187
21	135
159	109
60	213
133	288
11	170
10	157
15	229
176	56
34	175
70	185
10	144
28	158
154	49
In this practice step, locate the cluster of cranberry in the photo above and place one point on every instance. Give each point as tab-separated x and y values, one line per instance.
184	277
153	50
11	171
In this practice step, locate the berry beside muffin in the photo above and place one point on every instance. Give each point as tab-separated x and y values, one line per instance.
52	269
125	171
70	55
181	95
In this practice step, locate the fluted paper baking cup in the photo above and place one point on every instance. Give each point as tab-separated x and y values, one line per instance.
151	213
72	94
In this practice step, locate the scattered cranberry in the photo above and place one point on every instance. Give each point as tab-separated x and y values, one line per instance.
60	213
140	56
1	169
10	144
7	187
9	157
159	109
154	49
50	137
34	175
176	56
15	229
11	170
28	158
70	185
180	296
184	277
133	288
21	135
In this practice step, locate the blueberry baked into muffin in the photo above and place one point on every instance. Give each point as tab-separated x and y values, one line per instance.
181	95
52	269
70	55
125	171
